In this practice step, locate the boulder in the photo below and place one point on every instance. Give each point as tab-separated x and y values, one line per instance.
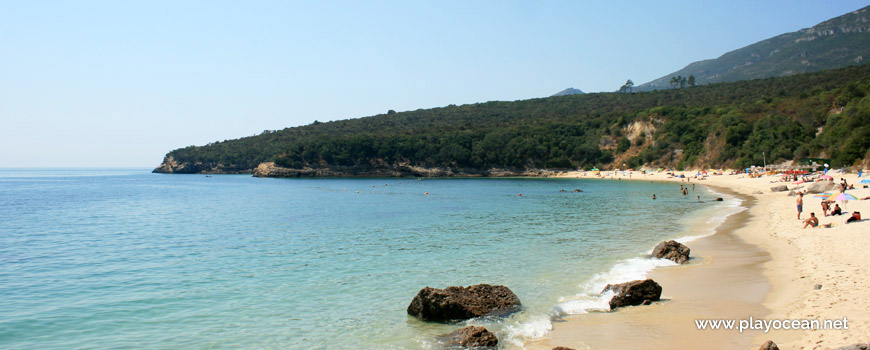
780	188
471	337
855	347
462	303
821	186
672	250
633	293
769	345
719	199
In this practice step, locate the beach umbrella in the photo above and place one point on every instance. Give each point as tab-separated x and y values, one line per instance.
843	196
865	181
823	195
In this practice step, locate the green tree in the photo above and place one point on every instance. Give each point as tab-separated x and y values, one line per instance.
691	80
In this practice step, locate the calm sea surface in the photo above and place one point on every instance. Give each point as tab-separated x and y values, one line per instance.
112	259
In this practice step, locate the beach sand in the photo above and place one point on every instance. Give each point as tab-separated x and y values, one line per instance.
759	264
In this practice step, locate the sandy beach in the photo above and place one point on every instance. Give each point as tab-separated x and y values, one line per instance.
760	264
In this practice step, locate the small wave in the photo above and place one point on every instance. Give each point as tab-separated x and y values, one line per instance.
713	217
536	326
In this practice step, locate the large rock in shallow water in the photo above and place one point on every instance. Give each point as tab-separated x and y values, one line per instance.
472	337
633	293
462	303
672	250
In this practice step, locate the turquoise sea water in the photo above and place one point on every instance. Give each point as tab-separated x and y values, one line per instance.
111	259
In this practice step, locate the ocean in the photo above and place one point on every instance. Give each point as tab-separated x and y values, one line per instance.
126	259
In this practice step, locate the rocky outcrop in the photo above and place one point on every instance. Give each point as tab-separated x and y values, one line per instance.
471	337
672	250
172	166
821	186
769	345
855	347
462	303
270	169
633	293
780	188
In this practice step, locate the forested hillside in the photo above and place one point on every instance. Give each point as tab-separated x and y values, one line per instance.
823	114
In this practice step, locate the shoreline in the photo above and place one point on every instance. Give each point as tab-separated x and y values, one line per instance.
766	246
666	324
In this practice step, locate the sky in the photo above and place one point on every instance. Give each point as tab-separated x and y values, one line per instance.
121	83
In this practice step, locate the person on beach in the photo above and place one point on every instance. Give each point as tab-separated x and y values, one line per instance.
825	207
654	196
699	198
856	216
812	220
800	204
837	210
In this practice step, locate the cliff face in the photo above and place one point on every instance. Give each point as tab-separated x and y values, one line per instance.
171	166
269	169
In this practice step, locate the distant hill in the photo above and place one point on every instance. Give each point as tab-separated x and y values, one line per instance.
568	91
835	43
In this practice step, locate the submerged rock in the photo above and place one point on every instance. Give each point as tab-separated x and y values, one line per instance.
769	345
471	337
462	303
672	250
633	293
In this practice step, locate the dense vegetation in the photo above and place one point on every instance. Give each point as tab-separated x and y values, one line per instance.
823	114
835	43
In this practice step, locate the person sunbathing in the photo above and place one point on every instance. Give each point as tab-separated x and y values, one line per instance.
856	216
836	210
812	220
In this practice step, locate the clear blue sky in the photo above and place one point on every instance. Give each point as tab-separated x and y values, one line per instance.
120	83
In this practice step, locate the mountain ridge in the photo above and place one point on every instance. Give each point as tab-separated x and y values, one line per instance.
834	43
568	91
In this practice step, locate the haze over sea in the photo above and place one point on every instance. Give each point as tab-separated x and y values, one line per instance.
119	258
